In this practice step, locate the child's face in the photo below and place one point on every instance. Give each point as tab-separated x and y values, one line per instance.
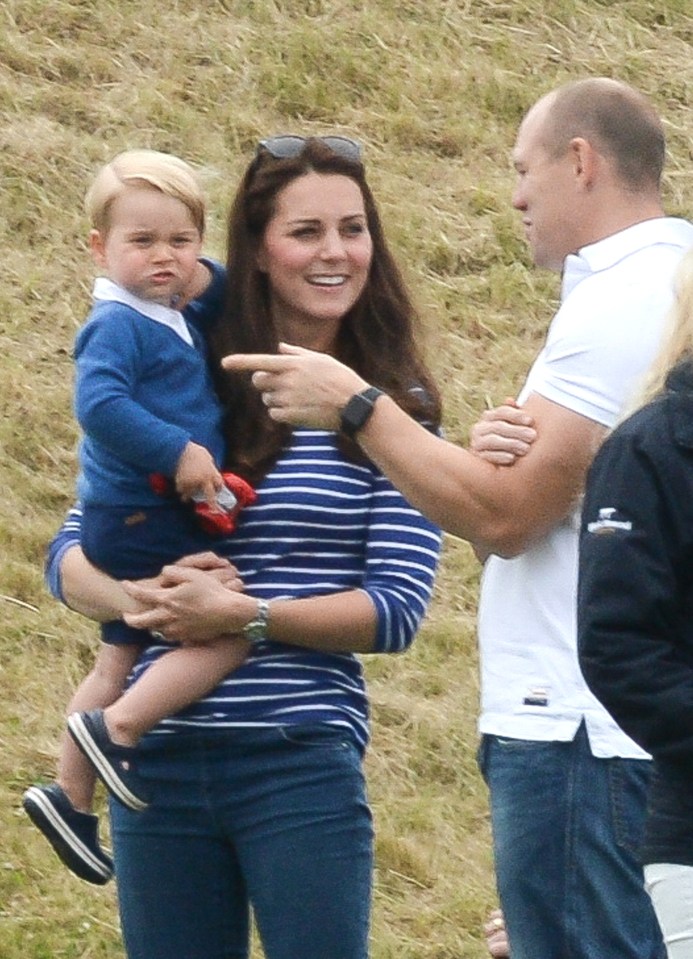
151	246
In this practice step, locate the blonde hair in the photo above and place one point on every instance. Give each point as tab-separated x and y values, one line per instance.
144	168
678	340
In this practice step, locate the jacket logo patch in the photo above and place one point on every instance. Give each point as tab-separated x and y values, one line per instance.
607	522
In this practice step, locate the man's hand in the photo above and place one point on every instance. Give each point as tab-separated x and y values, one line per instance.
298	386
503	434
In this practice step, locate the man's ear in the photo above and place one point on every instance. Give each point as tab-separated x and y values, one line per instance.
584	160
97	246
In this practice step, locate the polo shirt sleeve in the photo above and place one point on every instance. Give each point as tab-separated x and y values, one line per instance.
600	345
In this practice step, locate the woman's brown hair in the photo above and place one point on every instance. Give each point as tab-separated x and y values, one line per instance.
376	337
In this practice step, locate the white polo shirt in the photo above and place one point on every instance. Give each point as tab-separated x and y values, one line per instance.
614	299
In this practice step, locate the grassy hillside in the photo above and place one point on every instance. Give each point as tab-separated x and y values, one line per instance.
435	90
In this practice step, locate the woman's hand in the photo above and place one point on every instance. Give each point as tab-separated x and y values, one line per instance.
189	605
221	569
503	434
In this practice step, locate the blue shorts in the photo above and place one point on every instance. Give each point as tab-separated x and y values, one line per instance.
128	543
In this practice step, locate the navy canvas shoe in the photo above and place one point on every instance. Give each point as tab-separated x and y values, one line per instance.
72	834
113	764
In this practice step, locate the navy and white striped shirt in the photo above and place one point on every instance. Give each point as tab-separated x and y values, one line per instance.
321	525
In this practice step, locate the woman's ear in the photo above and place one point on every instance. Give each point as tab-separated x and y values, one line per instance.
97	246
261	258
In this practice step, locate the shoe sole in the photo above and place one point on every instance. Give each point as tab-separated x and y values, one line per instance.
69	847
104	769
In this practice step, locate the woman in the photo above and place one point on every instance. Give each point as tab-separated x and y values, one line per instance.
636	608
257	790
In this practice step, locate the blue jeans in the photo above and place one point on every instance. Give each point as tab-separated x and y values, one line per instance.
270	819
566	832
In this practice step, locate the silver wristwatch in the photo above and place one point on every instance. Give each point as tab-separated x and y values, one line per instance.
256	629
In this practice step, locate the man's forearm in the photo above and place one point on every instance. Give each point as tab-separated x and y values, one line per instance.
501	510
458	491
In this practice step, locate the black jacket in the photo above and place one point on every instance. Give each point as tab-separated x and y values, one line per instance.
635	597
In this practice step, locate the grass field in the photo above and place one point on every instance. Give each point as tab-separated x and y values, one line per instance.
435	90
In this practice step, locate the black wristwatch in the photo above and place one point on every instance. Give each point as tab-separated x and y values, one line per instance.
358	411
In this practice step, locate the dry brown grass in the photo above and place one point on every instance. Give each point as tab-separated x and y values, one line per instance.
435	89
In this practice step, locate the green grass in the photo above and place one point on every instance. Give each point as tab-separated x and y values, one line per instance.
435	91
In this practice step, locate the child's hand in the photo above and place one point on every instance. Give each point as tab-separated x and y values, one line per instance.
496	936
197	475
199	282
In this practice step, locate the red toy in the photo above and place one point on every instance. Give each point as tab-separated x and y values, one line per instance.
231	498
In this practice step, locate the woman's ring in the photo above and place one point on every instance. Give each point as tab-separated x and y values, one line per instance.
155	634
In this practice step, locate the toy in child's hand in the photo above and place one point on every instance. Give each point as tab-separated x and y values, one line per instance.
230	500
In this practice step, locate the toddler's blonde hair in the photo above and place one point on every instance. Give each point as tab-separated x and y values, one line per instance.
144	168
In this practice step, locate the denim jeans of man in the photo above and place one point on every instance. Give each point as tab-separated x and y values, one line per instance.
566	831
274	818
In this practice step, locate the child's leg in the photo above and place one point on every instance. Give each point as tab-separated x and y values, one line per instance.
99	689
176	680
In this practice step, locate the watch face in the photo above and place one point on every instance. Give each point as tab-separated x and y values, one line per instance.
358	410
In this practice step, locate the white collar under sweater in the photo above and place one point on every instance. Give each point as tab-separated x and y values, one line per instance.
105	289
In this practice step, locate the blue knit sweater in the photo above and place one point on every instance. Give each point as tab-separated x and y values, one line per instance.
143	391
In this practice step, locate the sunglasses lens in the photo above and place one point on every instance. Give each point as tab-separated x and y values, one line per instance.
284	147
343	147
287	147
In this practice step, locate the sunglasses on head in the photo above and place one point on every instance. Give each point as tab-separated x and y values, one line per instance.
287	147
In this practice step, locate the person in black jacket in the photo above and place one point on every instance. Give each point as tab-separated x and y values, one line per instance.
635	607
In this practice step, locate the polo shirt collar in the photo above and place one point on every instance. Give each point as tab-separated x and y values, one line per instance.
605	253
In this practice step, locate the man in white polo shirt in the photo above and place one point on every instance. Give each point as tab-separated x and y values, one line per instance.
567	787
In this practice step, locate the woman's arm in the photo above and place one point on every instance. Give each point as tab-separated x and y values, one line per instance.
201	599
383	615
73	580
191	607
89	591
83	587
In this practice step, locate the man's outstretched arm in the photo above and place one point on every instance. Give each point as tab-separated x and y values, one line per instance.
501	510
